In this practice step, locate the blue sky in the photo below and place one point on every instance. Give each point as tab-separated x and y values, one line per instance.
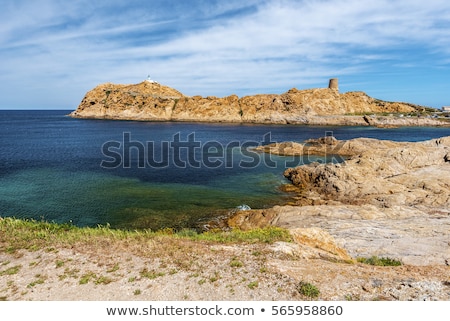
53	51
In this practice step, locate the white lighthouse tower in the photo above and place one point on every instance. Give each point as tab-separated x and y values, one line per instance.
150	80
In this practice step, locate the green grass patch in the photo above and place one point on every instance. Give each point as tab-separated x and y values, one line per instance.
103	280
35	235
264	235
151	274
307	289
114	268
235	263
85	278
59	263
379	261
11	271
214	277
69	273
91	276
39	280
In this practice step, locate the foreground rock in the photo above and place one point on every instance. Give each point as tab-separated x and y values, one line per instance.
387	199
151	101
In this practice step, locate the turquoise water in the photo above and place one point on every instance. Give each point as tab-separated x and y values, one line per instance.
87	199
50	169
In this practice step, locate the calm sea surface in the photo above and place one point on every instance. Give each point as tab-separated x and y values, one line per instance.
148	174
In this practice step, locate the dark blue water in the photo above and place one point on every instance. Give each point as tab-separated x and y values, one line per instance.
90	172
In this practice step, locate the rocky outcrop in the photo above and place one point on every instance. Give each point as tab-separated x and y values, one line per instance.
212	109
144	101
415	236
382	173
389	199
151	101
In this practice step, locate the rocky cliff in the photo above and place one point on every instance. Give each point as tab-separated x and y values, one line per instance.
155	102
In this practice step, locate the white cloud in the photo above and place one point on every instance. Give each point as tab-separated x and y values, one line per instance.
67	48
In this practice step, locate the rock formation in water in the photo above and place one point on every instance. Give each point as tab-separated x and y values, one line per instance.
152	101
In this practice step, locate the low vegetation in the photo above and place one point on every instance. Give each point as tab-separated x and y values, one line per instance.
32	235
379	261
10	271
308	290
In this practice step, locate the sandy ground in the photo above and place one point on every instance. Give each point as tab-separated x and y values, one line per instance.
186	270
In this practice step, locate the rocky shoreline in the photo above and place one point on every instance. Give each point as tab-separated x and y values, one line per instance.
378	183
388	199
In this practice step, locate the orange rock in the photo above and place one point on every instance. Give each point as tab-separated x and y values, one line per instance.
155	102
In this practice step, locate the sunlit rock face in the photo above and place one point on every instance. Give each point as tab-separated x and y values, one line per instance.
152	101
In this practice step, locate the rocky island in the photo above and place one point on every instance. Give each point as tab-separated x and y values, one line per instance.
151	101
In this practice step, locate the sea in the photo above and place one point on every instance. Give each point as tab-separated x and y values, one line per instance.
151	175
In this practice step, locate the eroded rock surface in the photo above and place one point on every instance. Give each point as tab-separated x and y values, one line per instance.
151	101
383	173
389	199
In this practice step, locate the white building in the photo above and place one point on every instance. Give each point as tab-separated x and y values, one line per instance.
150	80
446	108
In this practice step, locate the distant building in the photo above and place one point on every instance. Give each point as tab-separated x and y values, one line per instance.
446	108
333	84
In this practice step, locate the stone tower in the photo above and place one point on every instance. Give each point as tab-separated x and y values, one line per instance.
333	84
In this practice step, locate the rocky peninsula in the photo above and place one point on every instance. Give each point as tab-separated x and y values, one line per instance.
389	199
151	101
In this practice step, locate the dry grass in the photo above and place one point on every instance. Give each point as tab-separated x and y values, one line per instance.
106	257
33	235
43	261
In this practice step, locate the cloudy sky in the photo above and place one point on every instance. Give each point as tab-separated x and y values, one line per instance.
53	51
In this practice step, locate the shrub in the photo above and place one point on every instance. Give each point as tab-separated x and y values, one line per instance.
307	289
379	261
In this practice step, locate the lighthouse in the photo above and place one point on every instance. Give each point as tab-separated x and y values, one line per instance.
150	80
